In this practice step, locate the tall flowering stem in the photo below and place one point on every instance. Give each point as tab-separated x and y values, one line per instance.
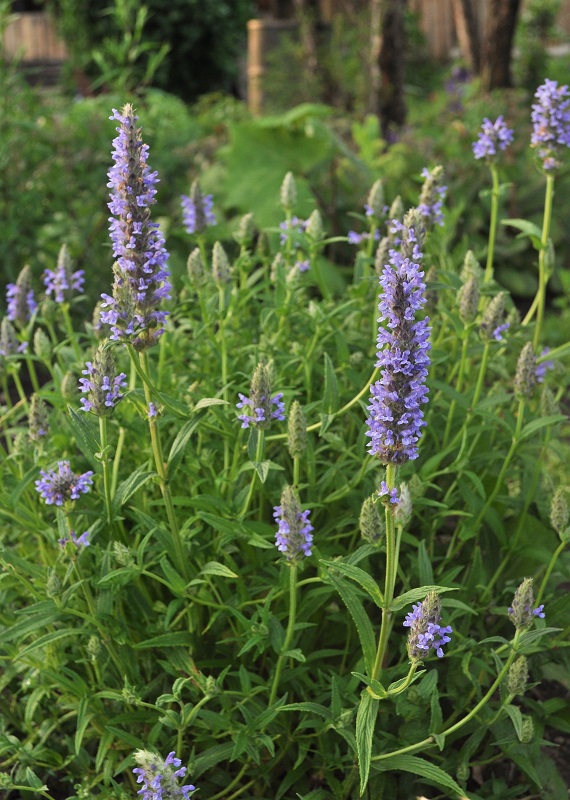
543	266
395	416
493	138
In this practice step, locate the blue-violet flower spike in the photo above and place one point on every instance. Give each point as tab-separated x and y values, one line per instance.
425	630
159	777
264	406
141	275
551	123
57	486
293	537
395	416
494	136
63	281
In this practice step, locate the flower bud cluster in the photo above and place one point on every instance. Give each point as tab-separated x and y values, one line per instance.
63	281
432	196
20	298
197	210
293	538
426	633
57	486
522	613
159	777
102	385
264	406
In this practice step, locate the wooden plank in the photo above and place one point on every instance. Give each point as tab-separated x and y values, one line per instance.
32	37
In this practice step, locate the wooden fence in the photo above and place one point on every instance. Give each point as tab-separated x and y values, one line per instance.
438	26
31	36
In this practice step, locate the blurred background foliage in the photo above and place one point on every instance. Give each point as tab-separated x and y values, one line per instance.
55	142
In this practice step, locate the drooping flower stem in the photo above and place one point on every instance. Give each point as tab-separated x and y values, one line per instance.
543	266
493	224
161	471
390	576
107	483
288	633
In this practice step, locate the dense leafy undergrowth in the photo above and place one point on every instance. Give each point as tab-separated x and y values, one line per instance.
144	604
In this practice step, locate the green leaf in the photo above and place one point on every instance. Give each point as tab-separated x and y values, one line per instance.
83	718
48	638
331	397
365	724
528	637
86	432
526	228
374	684
311	708
206	402
418	594
130	485
175	580
360	576
538	424
516	718
419	766
215	568
296	654
174	639
424	564
40	615
179	444
363	625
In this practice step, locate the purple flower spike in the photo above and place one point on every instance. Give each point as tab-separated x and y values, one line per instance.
494	136
102	385
58	486
551	123
264	407
63	281
426	633
141	274
197	209
293	537
522	612
159	777
396	418
498	332
432	196
20	298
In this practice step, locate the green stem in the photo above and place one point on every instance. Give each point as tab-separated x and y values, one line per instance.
32	372
288	633
458	387
493	225
161	470
315	426
481	376
506	462
224	357
467	718
18	383
549	569
107	482
542	260
258	457
390	577
70	332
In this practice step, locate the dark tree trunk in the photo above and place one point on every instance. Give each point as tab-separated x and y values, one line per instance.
498	44
392	105
467	28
